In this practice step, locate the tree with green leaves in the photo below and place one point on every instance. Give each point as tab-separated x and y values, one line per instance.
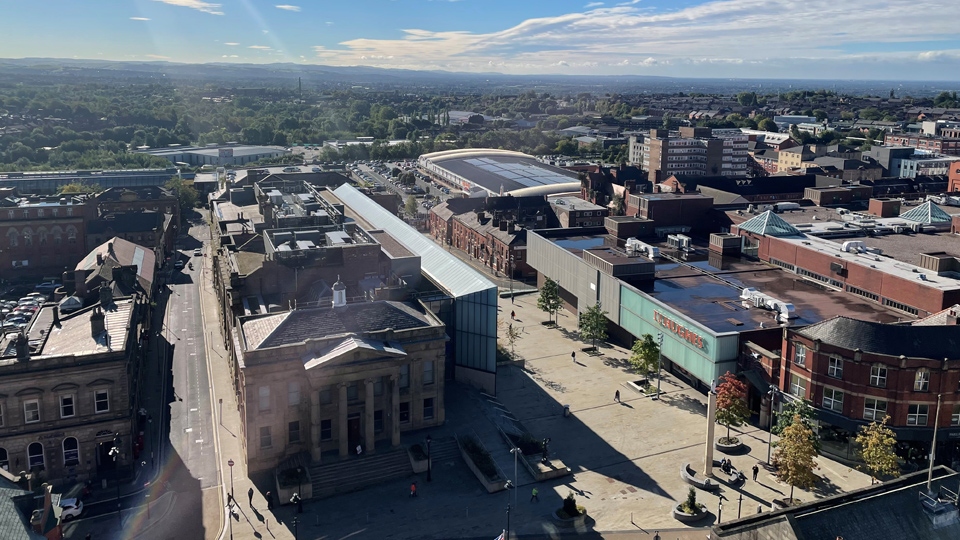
798	406
549	299
732	407
512	335
185	193
644	354
794	456
411	205
877	442
79	187
593	324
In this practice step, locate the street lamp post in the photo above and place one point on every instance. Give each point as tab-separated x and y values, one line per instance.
739	505
507	537
773	396
659	362
429	461
115	453
516	452
511	279
720	511
230	464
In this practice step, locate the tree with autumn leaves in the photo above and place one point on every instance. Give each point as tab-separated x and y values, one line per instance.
794	456
877	442
732	410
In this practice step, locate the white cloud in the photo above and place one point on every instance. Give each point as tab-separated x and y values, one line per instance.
288	7
199	5
231	43
720	37
592	5
259	47
158	57
139	19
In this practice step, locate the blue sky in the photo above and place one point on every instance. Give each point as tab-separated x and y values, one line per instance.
816	39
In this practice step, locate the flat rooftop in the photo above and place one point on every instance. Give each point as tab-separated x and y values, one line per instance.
706	288
507	172
572	202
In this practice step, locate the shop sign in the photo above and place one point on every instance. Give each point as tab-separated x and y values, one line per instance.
680	330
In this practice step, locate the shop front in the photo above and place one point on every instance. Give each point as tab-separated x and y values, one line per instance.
690	350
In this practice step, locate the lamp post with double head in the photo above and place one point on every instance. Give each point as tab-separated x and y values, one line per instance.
516	452
511	279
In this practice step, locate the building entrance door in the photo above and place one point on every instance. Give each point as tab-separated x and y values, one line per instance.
354	433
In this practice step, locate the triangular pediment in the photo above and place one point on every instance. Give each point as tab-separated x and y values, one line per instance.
352	350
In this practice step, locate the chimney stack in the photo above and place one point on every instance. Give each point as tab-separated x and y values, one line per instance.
22	347
99	259
97	324
56	316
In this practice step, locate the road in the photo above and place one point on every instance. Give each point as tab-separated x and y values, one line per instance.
185	460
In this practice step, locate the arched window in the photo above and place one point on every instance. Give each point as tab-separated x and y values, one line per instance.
27	236
71	234
4	460
57	233
13	236
35	455
71	452
42	235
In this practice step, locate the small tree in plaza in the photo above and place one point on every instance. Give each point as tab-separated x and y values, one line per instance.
797	407
512	335
877	442
732	407
593	324
794	456
549	299
645	353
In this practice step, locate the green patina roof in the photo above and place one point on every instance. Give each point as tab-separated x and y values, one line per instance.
927	213
769	224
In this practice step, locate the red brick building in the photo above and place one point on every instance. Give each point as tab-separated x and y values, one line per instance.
138	199
856	372
954	178
41	236
939	145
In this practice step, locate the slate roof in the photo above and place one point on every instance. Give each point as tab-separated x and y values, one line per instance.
769	224
299	325
351	344
123	253
126	222
934	342
13	524
927	213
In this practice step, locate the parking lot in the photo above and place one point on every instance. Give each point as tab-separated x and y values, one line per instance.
20	302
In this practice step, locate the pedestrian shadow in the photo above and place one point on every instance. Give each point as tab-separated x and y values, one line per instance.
627	405
771	488
258	515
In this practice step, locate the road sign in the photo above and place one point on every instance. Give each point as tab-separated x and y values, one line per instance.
230	463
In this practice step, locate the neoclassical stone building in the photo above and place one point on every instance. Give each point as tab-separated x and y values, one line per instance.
325	380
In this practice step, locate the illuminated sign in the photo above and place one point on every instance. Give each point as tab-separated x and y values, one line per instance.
680	330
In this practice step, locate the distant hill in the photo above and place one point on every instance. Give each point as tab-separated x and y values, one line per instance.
55	70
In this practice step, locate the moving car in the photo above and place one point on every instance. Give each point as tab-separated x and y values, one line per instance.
197	252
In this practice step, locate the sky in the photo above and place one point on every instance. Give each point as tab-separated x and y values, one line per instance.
797	39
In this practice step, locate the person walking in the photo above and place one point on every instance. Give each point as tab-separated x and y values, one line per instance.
269	500
574	356
534	495
616	397
413	489
513	315
756	471
250	496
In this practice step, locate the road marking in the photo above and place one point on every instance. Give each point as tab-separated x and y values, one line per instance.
188	430
199	441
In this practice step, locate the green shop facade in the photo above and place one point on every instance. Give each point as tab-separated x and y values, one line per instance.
690	350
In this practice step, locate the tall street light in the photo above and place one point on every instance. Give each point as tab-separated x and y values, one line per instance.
429	461
772	394
511	279
659	362
230	464
516	452
115	453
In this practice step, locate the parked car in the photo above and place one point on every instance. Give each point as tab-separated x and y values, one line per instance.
28	300
179	264
71	509
291	169
47	287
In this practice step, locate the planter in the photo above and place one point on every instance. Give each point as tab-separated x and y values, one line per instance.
418	461
728	446
780	504
491	485
284	493
548	323
577	522
684	517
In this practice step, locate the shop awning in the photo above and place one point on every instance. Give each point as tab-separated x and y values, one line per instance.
756	379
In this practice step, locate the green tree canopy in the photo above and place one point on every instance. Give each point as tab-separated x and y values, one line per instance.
549	299
644	354
186	195
593	324
801	408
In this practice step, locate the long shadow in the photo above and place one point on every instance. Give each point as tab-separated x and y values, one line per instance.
685	402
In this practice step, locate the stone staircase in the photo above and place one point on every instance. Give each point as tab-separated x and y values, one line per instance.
501	419
359	472
444	451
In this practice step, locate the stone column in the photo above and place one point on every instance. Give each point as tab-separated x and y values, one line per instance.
343	435
368	406
395	410
765	416
711	424
315	427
